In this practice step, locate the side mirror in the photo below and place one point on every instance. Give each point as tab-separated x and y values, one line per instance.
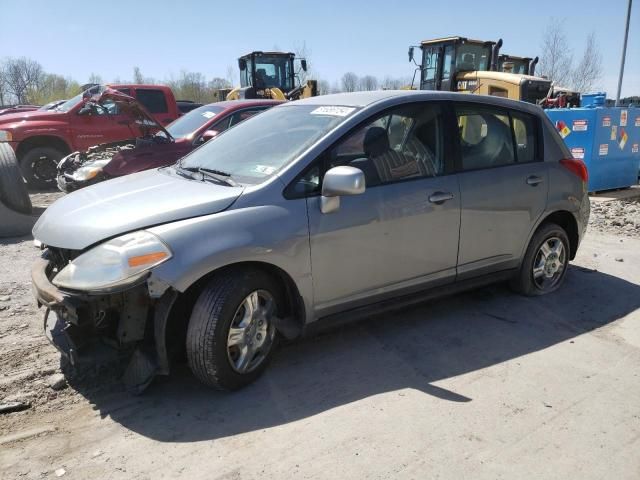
340	181
208	135
242	64
303	64
410	54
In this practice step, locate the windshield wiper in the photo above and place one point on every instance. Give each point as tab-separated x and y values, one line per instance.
218	175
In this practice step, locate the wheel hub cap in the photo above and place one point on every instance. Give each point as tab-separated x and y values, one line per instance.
251	332
549	263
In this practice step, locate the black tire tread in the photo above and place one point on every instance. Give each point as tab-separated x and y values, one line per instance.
208	325
25	165
13	191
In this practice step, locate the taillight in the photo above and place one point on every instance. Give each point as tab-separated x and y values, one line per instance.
577	167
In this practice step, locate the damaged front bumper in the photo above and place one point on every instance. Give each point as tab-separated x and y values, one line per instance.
126	327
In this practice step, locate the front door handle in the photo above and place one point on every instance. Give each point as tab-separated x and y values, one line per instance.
440	197
534	180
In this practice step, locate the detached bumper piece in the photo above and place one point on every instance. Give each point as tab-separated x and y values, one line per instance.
93	330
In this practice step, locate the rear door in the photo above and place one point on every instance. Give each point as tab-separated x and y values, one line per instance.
503	186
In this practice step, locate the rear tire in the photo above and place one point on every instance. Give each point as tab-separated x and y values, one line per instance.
40	167
214	354
13	191
545	263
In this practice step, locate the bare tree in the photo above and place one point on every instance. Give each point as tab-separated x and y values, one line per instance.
3	85
22	76
368	83
589	70
349	82
217	83
231	75
557	58
137	75
94	78
324	87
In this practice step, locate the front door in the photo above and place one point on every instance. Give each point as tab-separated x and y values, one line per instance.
105	125
503	187
401	234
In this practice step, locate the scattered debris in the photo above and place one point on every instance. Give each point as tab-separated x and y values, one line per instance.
619	259
57	381
60	472
10	407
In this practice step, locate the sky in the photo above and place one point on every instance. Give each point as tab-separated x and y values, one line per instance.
366	37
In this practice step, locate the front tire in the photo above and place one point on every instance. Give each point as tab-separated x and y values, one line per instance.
231	335
545	263
40	167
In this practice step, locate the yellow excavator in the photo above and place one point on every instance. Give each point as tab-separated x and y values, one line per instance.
272	75
460	64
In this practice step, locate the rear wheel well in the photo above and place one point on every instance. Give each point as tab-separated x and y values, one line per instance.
568	222
42	141
178	321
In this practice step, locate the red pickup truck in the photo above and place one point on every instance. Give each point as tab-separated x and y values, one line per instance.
41	138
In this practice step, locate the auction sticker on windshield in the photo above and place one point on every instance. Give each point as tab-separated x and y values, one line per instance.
333	111
208	114
265	169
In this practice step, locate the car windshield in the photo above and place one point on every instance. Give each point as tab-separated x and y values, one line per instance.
264	144
186	126
69	104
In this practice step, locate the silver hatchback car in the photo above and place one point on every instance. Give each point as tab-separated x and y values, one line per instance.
315	212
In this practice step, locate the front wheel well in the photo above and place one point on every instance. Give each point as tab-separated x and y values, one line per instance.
42	141
568	222
180	313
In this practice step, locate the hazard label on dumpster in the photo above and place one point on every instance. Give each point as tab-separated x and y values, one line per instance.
637	123
606	121
634	148
604	149
580	125
563	130
623	138
577	152
623	118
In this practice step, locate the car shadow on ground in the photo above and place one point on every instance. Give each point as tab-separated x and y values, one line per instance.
411	348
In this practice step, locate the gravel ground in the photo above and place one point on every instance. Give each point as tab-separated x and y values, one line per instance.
60	429
619	217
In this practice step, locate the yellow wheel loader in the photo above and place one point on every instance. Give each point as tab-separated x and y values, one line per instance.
271	75
460	64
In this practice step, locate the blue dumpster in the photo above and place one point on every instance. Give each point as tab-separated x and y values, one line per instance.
606	139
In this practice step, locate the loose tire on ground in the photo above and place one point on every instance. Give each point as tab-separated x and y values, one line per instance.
524	281
210	322
13	191
39	167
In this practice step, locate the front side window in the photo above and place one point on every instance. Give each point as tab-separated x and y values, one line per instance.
485	137
264	144
402	144
430	64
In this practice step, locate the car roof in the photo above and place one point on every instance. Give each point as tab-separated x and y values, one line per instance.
365	99
228	105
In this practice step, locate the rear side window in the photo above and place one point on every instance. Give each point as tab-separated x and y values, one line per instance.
153	100
485	137
525	134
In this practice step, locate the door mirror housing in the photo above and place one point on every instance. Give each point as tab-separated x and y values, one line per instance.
242	64
208	135
303	64
340	181
410	54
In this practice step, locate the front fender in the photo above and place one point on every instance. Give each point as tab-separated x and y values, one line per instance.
274	234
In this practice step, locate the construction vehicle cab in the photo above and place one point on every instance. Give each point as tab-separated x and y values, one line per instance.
459	64
517	65
271	75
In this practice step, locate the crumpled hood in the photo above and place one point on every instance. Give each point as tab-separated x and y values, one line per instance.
129	203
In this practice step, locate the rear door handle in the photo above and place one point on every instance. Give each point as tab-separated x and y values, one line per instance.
534	180
440	197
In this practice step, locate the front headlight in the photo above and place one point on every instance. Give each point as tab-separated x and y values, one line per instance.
116	263
88	172
5	136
